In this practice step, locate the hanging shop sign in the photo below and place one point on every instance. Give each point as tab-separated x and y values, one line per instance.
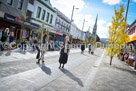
59	33
18	19
13	18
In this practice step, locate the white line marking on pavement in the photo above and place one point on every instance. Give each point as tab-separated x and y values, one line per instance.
88	79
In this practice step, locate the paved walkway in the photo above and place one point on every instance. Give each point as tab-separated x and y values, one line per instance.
118	77
37	78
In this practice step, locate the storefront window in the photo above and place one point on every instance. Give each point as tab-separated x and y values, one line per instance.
10	2
38	12
47	18
20	4
43	14
51	19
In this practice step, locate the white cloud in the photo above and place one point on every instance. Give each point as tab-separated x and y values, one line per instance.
103	30
135	0
112	2
65	6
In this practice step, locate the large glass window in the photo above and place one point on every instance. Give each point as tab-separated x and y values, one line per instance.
47	18
38	12
10	2
51	19
20	4
43	14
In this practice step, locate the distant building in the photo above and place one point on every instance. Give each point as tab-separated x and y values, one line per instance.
62	23
132	28
94	33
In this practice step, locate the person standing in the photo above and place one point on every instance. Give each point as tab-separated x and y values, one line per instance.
130	58
82	48
64	52
11	40
1	30
125	57
4	38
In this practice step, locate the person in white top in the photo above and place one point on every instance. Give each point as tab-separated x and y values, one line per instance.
130	58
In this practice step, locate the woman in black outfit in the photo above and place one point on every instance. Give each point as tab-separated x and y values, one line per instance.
64	52
82	48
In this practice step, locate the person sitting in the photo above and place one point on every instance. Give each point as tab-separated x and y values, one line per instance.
11	40
24	45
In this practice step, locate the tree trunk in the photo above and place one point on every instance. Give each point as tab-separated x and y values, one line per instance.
111	60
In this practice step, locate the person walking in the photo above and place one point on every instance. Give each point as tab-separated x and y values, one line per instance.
90	48
64	52
82	48
41	52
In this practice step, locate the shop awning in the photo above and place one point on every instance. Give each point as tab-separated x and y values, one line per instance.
132	37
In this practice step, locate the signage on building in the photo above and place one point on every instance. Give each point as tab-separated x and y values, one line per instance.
18	19
59	33
13	18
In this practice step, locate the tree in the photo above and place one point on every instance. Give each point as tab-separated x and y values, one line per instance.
41	30
91	41
23	18
117	35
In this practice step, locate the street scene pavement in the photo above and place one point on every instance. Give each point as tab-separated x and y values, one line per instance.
83	72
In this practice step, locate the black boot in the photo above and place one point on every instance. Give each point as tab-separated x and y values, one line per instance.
63	66
38	62
60	66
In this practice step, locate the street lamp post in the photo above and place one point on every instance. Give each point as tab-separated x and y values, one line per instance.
72	18
127	11
83	28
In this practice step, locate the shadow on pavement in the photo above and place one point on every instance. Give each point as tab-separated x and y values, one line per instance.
70	75
1	53
45	69
96	55
8	53
85	55
122	69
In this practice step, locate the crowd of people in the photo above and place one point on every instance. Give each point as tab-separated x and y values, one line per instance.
129	58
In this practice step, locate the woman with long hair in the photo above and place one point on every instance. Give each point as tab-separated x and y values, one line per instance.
64	52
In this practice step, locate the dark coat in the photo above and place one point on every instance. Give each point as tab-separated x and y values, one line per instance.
83	47
38	54
64	56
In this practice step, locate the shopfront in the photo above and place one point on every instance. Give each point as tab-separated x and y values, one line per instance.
11	22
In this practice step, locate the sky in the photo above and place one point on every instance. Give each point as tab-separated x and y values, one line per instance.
88	10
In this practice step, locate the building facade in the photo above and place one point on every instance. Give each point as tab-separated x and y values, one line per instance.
132	28
62	23
42	11
10	15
